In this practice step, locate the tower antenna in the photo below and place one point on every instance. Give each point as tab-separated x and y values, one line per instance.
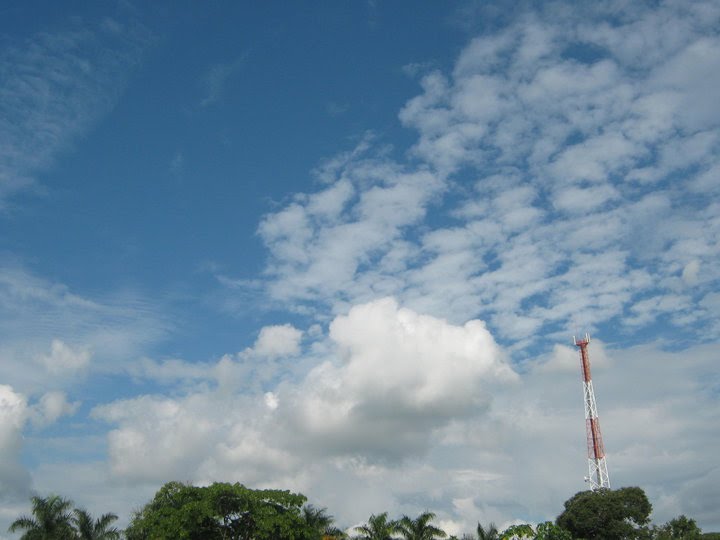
597	467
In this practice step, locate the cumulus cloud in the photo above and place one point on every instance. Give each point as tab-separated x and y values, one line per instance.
278	340
51	406
400	375
64	358
391	379
415	412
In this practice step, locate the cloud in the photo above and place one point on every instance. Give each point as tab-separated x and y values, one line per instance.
51	407
63	358
14	478
46	324
583	147
382	358
415	412
562	180
215	80
278	340
321	243
400	376
55	86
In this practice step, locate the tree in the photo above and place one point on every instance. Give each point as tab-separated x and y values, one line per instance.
549	531
491	533
220	511
680	528
515	532
420	528
99	529
320	523
378	528
607	514
51	520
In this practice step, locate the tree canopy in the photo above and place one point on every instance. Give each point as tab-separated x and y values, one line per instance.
378	527
51	520
226	511
222	511
607	514
419	528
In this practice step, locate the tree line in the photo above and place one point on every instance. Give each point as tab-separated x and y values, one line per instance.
225	511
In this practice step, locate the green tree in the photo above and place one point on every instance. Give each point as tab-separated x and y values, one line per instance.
378	527
220	511
607	514
420	528
320	523
514	532
680	528
549	531
86	528
51	520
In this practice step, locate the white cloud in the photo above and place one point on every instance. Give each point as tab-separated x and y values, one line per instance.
383	358
51	407
561	181
584	149
64	358
278	340
690	272
414	412
95	333
400	375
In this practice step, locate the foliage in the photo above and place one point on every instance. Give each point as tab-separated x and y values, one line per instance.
607	514
222	511
51	520
420	528
234	512
99	529
518	531
378	528
549	531
680	528
491	533
320	523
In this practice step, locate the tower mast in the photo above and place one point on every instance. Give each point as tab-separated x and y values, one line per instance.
597	467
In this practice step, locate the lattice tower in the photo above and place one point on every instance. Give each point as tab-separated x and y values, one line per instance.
597	466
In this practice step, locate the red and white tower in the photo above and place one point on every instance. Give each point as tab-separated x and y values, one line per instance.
597	468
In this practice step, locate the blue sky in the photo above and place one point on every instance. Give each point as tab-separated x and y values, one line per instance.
365	232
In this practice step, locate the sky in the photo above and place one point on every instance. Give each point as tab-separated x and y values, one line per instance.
343	247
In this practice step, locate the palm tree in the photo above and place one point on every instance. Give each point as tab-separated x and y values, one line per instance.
378	528
491	533
319	521
51	520
420	528
99	529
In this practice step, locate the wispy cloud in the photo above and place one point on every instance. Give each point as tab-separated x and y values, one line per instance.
55	86
50	335
214	82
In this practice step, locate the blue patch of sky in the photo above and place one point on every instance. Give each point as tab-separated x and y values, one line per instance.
136	219
585	52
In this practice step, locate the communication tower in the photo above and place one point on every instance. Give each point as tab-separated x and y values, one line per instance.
597	467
